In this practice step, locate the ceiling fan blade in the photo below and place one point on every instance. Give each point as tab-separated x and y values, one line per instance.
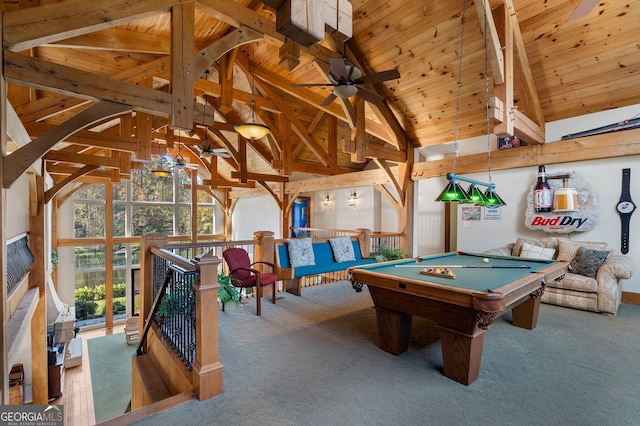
582	9
338	68
328	100
370	96
311	84
379	77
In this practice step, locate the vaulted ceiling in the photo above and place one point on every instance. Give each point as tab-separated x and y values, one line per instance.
99	88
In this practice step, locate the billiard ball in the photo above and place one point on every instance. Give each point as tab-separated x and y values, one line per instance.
485	260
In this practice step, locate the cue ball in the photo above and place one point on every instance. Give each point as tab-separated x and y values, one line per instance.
485	260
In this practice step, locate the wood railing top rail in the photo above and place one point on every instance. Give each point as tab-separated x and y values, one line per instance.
176	259
327	230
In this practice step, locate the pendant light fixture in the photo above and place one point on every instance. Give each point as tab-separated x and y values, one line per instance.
251	129
453	191
161	168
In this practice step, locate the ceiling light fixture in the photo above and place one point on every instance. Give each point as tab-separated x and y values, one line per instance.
161	168
251	129
453	192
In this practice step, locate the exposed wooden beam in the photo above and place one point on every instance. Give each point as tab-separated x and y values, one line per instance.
496	57
32	72
33	26
17	162
396	185
182	77
581	149
51	192
349	180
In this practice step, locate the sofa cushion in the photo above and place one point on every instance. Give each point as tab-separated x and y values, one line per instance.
300	252
545	242
342	249
567	249
576	282
536	252
588	261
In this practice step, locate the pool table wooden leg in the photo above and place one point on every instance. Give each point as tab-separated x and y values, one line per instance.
394	329
525	315
461	355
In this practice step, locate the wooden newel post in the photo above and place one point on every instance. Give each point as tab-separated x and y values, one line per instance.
264	251
364	237
207	368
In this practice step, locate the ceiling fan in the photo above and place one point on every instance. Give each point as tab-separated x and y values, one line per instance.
206	150
163	167
346	79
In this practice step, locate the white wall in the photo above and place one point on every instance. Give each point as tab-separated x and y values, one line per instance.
371	210
255	214
17	210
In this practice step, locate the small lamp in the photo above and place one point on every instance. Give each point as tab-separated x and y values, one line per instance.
325	200
476	196
453	191
493	199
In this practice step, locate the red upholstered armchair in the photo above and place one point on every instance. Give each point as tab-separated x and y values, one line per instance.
243	273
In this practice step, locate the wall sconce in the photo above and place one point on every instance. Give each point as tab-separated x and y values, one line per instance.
325	200
352	199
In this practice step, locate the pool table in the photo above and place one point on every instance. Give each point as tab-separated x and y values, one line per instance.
463	307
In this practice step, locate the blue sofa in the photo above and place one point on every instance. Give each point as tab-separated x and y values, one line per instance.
325	262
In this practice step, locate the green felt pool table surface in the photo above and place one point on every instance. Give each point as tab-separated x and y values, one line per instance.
491	276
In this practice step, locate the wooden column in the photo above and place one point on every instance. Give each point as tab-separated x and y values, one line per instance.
39	371
264	252
207	368
108	254
4	314
364	237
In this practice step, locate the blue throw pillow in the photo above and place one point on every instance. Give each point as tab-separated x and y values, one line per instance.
342	249
300	252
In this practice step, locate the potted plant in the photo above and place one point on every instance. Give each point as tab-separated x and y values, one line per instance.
227	292
386	254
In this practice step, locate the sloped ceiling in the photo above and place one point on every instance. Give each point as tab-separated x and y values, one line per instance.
74	55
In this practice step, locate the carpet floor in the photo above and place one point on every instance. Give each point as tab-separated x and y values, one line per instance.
110	364
314	360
